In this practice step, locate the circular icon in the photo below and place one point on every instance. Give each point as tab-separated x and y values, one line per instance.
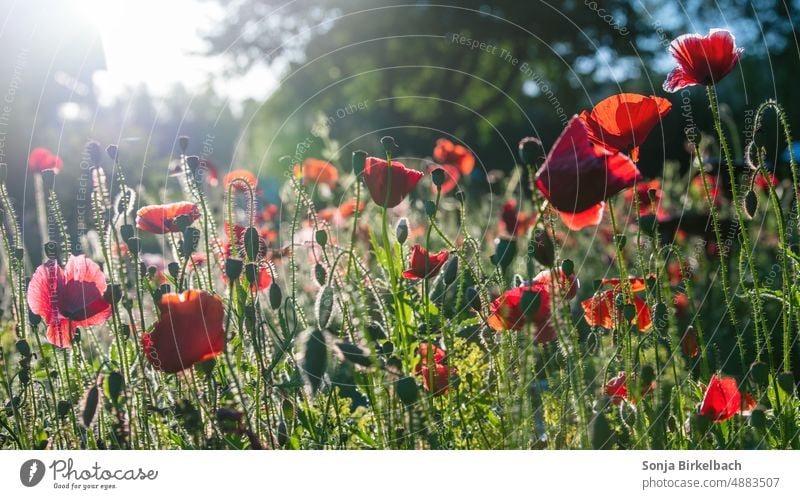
31	472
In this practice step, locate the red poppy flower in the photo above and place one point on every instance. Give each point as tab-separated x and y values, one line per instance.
317	171
748	403
578	176
68	298
624	121
763	184
601	309
681	303
448	153
42	159
617	388
508	312
425	265
702	60
689	345
436	377
642	193
189	330
160	218
389	185
722	399
515	222
245	176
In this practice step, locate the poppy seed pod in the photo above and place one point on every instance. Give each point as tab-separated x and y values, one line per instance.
193	163
401	231
430	208
51	250
233	269
438	177
388	144
530	150
359	162
174	269
113	152
321	237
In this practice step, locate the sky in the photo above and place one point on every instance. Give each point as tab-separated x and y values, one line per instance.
159	42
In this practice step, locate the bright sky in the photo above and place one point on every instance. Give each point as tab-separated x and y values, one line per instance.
156	41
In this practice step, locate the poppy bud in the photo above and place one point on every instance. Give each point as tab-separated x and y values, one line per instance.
112	386
113	152
388	144
786	382
541	248
193	163
629	312
660	316
320	274
359	162
94	152
321	237
568	267
90	401
530	150
750	203
472	298
401	231
191	239
48	179
430	208
407	390
324	306
174	269
113	294
451	270
51	250
62	408
620	241
275	296
34	319
183	143
133	245
126	232
251	243
505	251
251	272
759	371
316	358
125	330
23	348
437	176
283	433
233	269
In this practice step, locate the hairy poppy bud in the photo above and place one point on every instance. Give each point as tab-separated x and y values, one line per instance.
133	245
430	208
90	401
451	270
183	143
275	296
251	243
193	163
62	408
359	162
113	384
320	274
321	237
401	231
750	203
530	150
113	152
191	239
542	249
568	267
174	269
126	232
233	269
437	176
51	250
505	251
324	306
251	272
23	348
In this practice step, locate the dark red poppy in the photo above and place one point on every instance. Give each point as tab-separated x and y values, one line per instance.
244	176
748	403
161	218
317	171
68	298
689	345
642	194
722	399
435	376
702	60
514	222
578	176
189	330
42	159
448	153
623	121
389	185
425	265
508	312
601	309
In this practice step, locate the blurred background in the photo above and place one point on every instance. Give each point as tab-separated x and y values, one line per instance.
251	81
